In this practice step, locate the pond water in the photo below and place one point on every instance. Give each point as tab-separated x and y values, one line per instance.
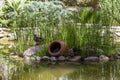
20	70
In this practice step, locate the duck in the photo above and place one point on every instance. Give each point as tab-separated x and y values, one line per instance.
38	40
74	51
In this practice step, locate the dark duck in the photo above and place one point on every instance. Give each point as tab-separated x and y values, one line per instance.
38	40
74	51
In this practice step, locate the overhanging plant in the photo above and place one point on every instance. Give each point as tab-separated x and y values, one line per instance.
112	8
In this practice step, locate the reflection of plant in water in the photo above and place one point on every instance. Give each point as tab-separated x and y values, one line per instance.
9	67
102	71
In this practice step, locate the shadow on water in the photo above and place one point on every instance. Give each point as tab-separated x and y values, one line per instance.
19	70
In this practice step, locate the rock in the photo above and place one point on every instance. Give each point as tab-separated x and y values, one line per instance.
27	58
32	50
74	58
32	58
1	47
11	46
45	58
38	58
53	59
118	55
61	58
29	61
91	59
16	56
103	58
2	3
12	36
4	29
1	35
12	54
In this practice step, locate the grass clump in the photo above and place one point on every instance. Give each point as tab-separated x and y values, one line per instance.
54	21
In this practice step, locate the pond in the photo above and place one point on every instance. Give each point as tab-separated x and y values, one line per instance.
22	70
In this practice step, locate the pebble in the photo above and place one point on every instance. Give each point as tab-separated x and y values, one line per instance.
1	35
61	58
45	58
38	58
1	47
32	58
53	59
74	58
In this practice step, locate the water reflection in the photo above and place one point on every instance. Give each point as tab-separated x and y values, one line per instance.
62	71
105	71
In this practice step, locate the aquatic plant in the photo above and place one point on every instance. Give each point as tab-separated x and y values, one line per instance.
41	18
52	20
112	9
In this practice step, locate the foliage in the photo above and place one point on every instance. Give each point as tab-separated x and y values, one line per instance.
52	20
112	8
41	18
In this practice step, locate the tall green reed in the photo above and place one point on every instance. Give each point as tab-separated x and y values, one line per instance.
52	21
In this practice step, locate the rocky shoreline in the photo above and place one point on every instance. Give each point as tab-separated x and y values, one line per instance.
89	59
5	34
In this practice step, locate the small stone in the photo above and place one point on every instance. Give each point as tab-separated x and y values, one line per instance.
91	59
4	29
14	56
27	58
61	58
12	53
45	58
53	59
103	58
38	58
1	35
1	47
74	58
12	36
32	58
118	55
11	46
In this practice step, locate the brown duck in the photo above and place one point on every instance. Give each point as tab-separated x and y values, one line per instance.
38	40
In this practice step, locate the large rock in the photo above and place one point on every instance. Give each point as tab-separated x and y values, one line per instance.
32	50
103	58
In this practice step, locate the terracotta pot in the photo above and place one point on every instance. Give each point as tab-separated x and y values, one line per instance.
56	48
